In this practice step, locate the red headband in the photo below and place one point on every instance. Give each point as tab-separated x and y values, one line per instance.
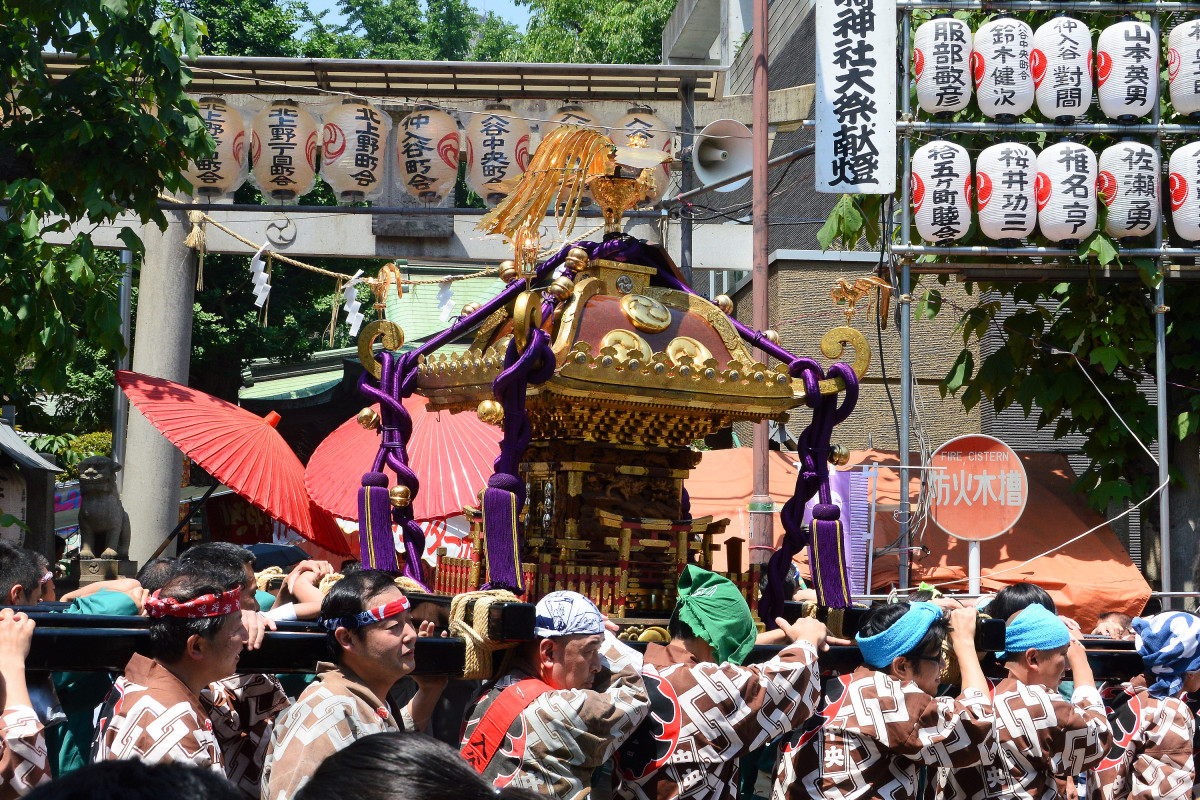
208	605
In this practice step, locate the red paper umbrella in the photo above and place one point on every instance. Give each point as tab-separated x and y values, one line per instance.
240	449
452	455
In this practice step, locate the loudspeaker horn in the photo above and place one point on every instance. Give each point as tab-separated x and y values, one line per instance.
722	149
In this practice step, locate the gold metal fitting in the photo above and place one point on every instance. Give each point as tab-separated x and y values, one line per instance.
577	259
509	271
368	418
399	496
724	302
469	309
771	336
839	455
490	411
561	288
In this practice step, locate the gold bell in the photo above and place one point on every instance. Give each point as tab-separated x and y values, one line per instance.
839	455
771	336
562	287
509	271
724	302
469	309
368	418
577	259
400	496
490	411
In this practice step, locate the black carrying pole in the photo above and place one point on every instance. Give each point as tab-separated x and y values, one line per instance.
196	504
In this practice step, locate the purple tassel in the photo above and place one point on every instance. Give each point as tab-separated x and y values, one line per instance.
504	498
376	545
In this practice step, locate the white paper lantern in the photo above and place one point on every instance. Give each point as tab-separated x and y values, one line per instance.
1183	67
1066	192
1184	167
941	191
498	151
571	114
1061	63
1005	201
942	65
658	135
353	144
1000	64
1127	70
284	151
427	148
225	170
1128	186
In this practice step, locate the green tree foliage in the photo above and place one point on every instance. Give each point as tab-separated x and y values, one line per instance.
404	30
496	41
1100	326
595	31
249	27
105	140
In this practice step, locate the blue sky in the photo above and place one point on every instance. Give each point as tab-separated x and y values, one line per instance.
506	9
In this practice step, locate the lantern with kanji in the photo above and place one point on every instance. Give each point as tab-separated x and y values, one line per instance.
942	65
1184	186
1128	186
640	123
1061	63
284	150
941	191
427	146
1066	192
1005	201
352	150
497	152
1183	67
1127	70
1000	64
223	171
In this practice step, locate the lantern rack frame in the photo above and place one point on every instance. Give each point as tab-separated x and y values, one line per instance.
907	252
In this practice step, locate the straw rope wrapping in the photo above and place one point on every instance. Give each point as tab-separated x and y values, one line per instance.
477	663
263	579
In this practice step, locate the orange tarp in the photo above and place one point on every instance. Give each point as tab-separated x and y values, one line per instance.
1086	578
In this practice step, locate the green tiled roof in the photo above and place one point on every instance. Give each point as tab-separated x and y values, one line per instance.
421	312
292	387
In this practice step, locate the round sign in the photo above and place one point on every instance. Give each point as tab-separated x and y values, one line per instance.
979	487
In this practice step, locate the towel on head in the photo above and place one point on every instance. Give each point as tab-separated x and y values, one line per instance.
1169	645
900	639
1036	628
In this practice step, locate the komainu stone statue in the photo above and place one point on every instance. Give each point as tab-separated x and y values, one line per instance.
102	519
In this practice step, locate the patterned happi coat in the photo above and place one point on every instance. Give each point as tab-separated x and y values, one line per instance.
332	712
1041	740
558	741
872	736
1151	754
24	762
705	717
150	715
242	710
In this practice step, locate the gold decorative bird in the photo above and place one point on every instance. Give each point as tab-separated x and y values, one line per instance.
851	293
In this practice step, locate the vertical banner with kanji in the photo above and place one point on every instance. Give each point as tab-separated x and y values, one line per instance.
856	96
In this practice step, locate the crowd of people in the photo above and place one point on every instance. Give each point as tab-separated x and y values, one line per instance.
576	712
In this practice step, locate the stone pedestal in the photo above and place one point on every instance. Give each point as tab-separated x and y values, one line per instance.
94	570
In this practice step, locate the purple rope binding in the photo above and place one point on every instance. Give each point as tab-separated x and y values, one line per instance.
398	379
504	497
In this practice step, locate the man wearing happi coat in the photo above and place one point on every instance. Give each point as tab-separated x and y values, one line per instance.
1153	729
153	712
880	725
707	710
571	698
371	640
1042	740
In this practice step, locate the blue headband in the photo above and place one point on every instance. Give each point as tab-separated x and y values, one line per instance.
1169	645
900	639
1036	628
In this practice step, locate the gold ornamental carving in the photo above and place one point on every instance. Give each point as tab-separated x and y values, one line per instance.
682	346
626	343
645	313
393	339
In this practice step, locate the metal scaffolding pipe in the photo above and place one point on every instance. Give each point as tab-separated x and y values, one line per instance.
905	307
1161	128
991	250
1166	6
403	211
